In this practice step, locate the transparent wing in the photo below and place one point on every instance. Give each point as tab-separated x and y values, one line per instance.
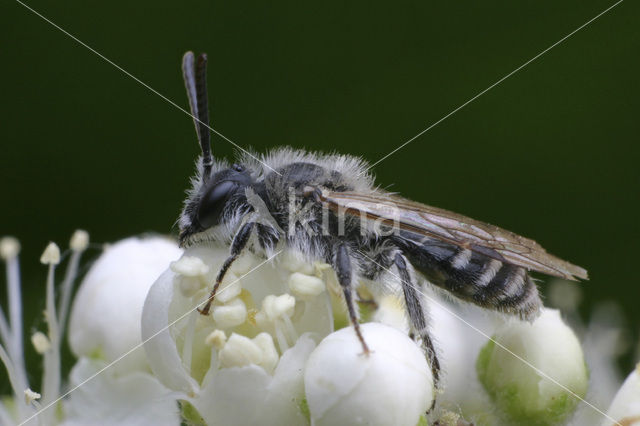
452	228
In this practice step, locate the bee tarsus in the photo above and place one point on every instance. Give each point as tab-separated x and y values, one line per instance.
342	266
416	315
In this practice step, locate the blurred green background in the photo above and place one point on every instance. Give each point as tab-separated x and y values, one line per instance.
550	153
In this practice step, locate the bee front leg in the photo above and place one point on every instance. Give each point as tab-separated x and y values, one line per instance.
343	268
416	313
240	241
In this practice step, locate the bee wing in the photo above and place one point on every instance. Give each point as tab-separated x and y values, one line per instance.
452	228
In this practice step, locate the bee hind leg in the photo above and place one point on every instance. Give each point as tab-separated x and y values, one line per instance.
413	302
343	268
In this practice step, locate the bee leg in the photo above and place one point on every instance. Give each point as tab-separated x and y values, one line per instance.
416	315
240	241
342	266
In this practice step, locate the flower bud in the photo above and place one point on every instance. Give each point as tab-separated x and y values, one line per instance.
522	392
106	313
392	385
625	408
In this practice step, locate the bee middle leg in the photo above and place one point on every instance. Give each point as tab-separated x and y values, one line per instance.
413	302
343	268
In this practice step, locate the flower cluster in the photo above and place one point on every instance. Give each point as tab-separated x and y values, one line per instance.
266	353
269	353
102	329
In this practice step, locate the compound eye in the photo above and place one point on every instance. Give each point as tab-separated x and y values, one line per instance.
212	204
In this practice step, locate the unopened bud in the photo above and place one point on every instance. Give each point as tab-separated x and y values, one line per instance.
535	391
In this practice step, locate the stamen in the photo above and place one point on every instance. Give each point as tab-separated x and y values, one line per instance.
11	332
280	337
216	339
240	351
51	255
291	331
78	244
277	306
9	249
230	315
11	371
230	288
269	354
40	342
278	311
30	396
187	349
191	271
305	286
79	240
189	266
51	373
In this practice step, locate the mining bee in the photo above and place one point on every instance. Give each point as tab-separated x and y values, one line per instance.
327	208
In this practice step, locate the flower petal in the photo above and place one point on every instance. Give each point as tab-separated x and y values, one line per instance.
108	399
160	347
249	395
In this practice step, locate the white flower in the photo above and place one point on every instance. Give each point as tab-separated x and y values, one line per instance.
625	407
244	363
523	394
106	313
99	394
392	385
266	354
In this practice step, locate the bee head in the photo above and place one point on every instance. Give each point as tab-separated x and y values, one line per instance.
218	199
217	195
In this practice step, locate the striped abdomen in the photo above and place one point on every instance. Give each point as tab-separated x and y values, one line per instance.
476	276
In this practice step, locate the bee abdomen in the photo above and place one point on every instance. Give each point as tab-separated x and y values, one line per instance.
507	288
476	277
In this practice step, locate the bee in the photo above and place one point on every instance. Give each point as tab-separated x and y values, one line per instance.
328	209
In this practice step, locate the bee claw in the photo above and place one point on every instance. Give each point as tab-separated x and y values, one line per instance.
366	352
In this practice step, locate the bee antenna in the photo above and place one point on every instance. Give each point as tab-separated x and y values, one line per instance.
195	81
